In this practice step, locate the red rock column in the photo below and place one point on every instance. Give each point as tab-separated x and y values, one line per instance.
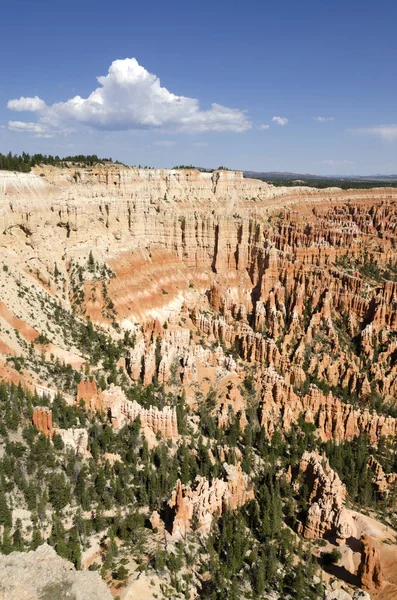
42	419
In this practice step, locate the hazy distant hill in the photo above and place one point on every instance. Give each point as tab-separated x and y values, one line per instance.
287	175
322	181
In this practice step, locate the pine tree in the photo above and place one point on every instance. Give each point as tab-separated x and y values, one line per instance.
299	587
91	262
74	549
6	546
112	543
17	538
260	576
81	485
100	483
5	513
37	540
57	538
97	519
58	491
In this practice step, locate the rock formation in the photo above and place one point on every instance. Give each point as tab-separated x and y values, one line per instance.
88	392
326	499
203	500
75	439
279	295
119	410
333	418
42	419
370	570
156	522
112	458
261	270
361	595
340	594
383	483
43	574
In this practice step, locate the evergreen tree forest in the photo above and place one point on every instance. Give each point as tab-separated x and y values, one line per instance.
24	162
73	499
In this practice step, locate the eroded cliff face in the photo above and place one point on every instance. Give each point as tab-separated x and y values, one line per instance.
42	419
75	439
119	411
295	281
326	499
267	306
360	540
197	505
340	421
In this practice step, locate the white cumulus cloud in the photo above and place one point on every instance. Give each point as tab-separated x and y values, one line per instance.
129	97
323	119
263	126
280	120
29	104
386	132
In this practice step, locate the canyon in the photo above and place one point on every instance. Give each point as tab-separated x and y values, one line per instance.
271	307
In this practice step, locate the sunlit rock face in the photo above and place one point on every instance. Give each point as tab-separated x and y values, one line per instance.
211	274
326	500
42	419
370	570
203	500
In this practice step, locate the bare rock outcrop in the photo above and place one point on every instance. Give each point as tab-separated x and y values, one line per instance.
119	410
370	569
43	575
336	595
163	422
326	499
203	500
42	419
340	594
75	439
382	481
88	392
156	522
333	418
361	595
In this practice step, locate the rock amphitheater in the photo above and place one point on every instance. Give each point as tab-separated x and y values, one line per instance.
218	279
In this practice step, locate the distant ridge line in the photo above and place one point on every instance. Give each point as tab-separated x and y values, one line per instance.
286	175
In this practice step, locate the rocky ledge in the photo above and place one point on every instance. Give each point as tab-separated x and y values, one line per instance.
43	575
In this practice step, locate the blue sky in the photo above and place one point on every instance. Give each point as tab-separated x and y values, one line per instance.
242	84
